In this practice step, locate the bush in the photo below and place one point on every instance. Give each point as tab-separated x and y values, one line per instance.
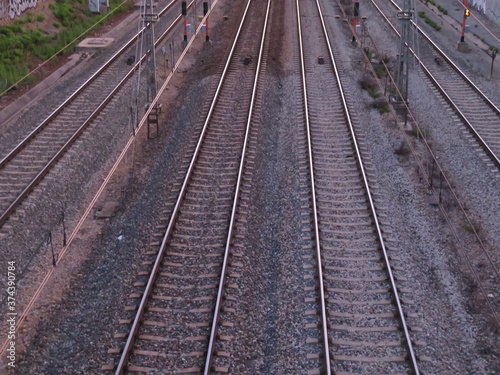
10	75
370	85
429	21
442	10
379	70
64	12
10	30
382	105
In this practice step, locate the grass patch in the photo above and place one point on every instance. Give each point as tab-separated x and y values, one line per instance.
65	12
428	21
417	132
381	105
442	10
380	70
21	49
467	227
370	85
29	18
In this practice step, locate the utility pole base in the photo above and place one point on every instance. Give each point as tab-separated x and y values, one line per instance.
463	47
153	128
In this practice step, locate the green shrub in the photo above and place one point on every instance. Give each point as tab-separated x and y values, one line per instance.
381	105
40	17
442	10
10	30
370	85
63	12
467	227
379	70
429	21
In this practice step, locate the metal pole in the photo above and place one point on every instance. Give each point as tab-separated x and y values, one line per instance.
493	55
355	20
64	229
402	69
466	5
52	249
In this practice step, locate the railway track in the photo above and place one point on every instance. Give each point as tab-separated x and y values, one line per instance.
362	323
479	114
25	166
176	324
481	118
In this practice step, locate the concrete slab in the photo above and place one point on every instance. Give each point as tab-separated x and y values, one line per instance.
94	44
463	47
108	210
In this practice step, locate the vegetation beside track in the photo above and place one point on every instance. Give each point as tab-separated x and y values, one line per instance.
26	43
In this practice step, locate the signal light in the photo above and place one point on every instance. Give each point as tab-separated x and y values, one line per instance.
356	9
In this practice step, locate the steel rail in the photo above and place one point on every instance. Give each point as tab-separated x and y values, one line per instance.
373	210
495	158
218	304
161	252
46	169
324	323
78	91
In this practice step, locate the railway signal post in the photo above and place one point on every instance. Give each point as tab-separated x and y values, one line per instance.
149	18
205	11
462	45
493	54
184	14
355	19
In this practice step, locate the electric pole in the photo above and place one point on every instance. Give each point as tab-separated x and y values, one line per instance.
149	18
404	50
